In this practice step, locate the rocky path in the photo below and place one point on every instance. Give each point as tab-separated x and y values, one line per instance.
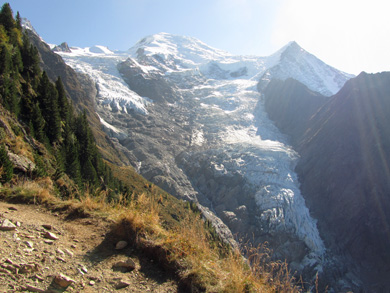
43	251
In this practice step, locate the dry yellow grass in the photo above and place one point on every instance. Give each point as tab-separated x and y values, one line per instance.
40	191
21	148
186	248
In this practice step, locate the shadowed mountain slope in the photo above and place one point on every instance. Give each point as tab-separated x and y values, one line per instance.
344	165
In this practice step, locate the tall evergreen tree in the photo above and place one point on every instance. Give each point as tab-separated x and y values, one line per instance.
71	155
3	35
30	60
87	149
6	17
48	100
11	99
17	62
18	21
38	123
5	60
63	103
26	103
89	172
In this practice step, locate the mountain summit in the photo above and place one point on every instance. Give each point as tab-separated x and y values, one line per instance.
295	62
177	47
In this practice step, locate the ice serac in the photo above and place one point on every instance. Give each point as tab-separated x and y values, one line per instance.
192	120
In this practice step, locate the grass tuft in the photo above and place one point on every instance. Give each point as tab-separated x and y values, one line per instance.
40	191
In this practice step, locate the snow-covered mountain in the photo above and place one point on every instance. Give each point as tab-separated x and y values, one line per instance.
167	54
191	119
294	62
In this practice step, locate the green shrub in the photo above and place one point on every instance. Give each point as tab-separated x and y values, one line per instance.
6	166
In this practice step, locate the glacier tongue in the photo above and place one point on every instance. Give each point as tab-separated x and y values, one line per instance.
267	165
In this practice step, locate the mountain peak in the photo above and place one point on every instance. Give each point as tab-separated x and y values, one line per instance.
292	61
292	48
293	44
26	24
188	49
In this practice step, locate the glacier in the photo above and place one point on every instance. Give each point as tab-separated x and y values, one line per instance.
99	63
233	150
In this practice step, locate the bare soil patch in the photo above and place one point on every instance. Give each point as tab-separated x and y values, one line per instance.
84	252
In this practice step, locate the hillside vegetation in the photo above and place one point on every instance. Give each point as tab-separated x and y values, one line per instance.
48	156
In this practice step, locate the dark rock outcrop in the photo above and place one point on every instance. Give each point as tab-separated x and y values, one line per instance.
62	48
152	85
290	104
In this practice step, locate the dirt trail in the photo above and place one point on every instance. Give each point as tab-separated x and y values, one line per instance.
83	252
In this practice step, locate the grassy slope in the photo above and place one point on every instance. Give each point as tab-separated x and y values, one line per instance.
168	229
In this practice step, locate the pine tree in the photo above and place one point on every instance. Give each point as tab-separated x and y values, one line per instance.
3	35
88	153
6	17
89	172
72	167
63	103
26	103
81	132
17	62
6	165
72	162
11	99
18	21
5	60
38	123
30	60
48	100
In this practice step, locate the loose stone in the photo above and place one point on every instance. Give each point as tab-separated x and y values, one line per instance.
50	236
63	280
7	225
121	244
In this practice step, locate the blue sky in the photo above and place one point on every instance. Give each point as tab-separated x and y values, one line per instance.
350	35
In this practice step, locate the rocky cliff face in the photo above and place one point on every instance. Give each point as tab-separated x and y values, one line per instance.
344	146
291	104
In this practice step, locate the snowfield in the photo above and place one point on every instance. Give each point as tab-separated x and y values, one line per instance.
101	65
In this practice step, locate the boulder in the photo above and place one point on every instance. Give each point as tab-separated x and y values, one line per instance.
123	284
121	244
50	236
21	163
7	225
127	265
63	281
